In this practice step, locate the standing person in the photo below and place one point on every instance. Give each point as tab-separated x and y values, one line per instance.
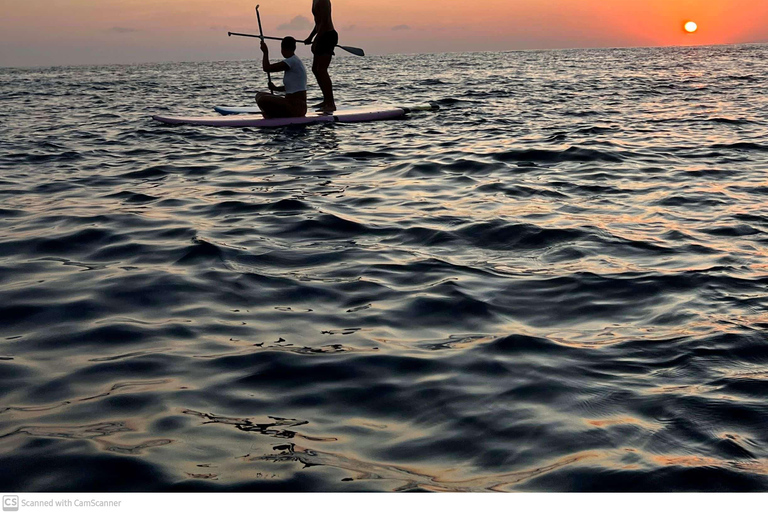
294	104
325	40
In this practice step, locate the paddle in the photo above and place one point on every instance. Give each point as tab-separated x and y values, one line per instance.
261	35
351	49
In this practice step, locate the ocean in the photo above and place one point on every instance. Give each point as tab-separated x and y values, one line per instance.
557	282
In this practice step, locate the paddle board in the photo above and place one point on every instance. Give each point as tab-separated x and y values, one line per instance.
357	115
227	111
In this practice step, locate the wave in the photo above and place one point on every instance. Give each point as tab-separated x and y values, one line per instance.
555	283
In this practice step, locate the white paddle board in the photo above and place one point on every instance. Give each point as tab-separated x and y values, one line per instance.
356	115
227	111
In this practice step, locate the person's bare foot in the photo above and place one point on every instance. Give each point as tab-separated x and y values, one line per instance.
325	107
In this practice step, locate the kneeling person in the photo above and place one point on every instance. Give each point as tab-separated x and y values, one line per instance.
294	104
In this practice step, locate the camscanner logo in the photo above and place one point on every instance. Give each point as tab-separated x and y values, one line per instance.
10	503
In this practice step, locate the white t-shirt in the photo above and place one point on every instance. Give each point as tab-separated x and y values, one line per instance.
295	79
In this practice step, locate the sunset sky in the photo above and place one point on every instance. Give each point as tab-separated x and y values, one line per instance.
49	32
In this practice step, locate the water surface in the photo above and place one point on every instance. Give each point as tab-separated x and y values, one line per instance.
557	282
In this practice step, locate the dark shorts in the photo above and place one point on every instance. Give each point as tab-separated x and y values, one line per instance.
325	43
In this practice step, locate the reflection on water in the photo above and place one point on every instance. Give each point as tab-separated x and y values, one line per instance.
556	282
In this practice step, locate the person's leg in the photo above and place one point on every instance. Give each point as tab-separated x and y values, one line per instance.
320	69
273	106
260	95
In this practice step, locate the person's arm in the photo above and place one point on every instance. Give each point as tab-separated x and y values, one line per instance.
311	36
264	56
273	87
271	68
276	67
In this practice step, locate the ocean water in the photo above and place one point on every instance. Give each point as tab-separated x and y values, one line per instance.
555	283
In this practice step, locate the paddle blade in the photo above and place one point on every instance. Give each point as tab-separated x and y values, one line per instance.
354	51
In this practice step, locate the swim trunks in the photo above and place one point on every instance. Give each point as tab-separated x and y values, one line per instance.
325	43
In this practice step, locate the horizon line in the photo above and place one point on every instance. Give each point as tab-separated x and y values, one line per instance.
206	61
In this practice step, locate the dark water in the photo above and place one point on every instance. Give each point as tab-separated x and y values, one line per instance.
557	282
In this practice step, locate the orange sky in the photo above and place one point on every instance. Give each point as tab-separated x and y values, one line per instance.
45	32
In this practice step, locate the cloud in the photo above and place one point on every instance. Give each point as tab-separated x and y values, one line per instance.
401	27
123	30
297	23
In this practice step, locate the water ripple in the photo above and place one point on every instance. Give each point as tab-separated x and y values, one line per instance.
556	282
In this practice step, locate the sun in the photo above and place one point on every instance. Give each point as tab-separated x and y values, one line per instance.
691	27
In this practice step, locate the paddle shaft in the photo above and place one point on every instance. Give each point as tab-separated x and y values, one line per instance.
261	35
254	35
351	49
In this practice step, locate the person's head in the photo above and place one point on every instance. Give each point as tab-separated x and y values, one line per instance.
288	46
